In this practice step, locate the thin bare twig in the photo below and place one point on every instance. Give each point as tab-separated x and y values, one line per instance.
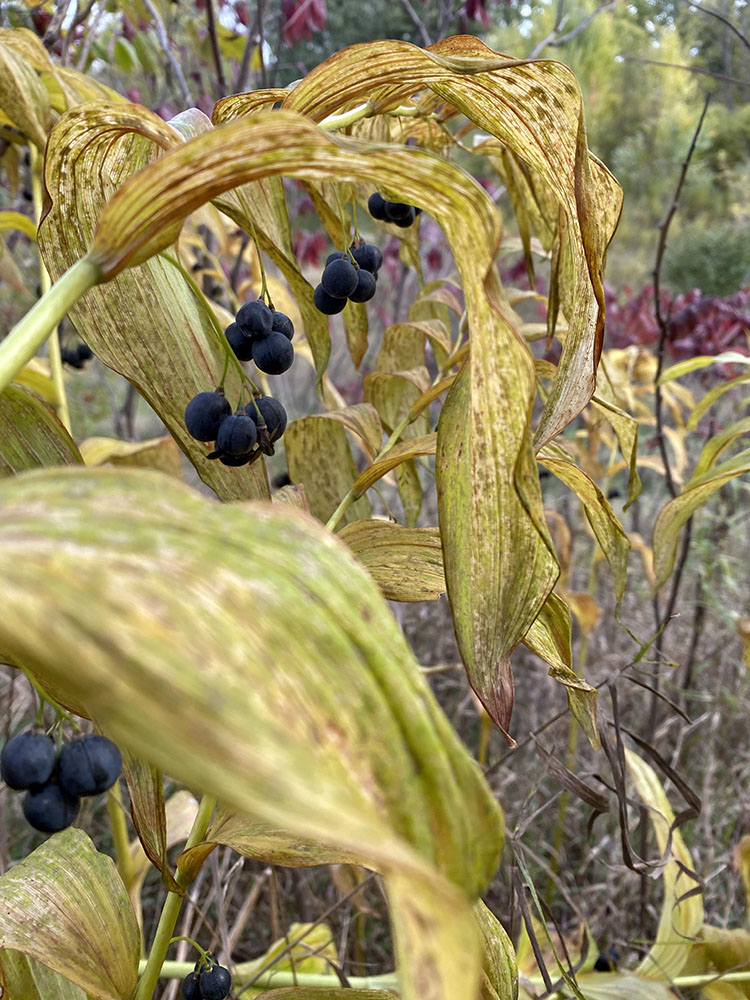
211	21
725	21
688	69
161	34
418	22
660	319
555	39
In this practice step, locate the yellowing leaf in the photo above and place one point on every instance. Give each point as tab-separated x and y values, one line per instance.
680	919
23	97
674	514
406	563
36	375
411	448
363	421
14	220
21	976
65	906
156	453
312	950
715	445
500	971
702	361
728	950
320	459
262	705
30	433
321	993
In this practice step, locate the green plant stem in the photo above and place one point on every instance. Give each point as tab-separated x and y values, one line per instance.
28	335
55	358
152	969
286	977
119	828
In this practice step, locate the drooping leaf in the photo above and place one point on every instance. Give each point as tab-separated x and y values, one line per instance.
493	604
65	906
31	434
179	811
363	421
406	563
261	706
626	430
411	448
157	453
728	950
149	325
681	914
605	524
36	375
321	993
674	514
14	220
715	445
500	969
23	96
550	638
393	394
320	458
21	976
702	361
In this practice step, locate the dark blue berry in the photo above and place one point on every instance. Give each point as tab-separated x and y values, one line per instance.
240	344
84	352
204	413
50	809
191	989
366	285
282	324
273	354
272	412
395	210
336	255
255	318
27	759
326	303
237	435
339	278
215	982
407	221
89	765
368	256
376	207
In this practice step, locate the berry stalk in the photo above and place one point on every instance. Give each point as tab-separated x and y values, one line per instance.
171	909
28	335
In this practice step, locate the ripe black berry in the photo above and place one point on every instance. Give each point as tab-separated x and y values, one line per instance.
376	207
395	210
339	278
84	352
237	435
336	255
282	324
273	354
272	412
89	765
215	983
240	344
368	256
204	413
27	759
191	989
69	356
326	303
49	809
255	318
366	285
408	219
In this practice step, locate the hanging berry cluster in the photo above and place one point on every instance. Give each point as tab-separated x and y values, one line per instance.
264	336
397	212
55	783
209	981
350	276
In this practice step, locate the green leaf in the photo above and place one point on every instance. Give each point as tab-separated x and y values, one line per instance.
65	906
610	534
674	514
31	434
406	563
320	458
702	361
21	976
500	970
715	445
707	401
262	707
321	993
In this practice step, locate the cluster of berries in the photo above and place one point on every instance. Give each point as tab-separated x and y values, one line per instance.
54	783
76	357
239	437
209	981
264	336
397	212
348	276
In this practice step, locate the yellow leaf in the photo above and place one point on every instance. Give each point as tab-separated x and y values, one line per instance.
156	453
406	563
23	97
262	705
411	448
30	433
65	906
